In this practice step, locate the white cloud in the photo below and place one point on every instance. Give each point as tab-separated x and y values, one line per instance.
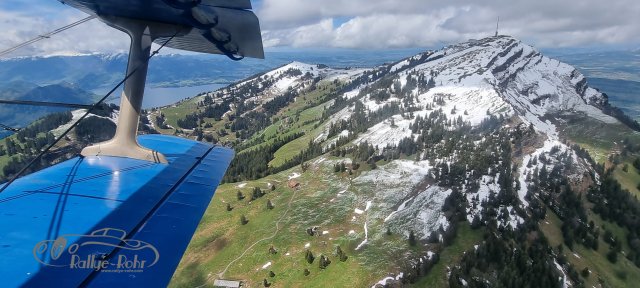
410	23
388	30
90	37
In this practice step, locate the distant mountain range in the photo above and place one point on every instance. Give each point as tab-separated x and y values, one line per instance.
90	72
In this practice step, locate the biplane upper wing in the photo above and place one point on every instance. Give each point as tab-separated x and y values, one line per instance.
211	26
108	221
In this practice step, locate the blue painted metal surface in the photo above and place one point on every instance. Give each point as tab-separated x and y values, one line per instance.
118	211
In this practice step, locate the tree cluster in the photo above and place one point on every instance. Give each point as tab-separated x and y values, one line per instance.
616	204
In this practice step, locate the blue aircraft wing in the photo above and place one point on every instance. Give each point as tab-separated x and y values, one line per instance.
108	221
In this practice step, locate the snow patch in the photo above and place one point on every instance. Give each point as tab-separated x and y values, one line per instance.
366	237
424	215
76	115
294	176
488	185
565	281
383	282
400	208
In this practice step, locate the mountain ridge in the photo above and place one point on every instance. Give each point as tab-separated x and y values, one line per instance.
417	150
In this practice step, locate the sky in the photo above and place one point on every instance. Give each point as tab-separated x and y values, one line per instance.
360	24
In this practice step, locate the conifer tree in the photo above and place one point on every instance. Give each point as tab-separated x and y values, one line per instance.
341	255
257	193
309	257
324	262
412	238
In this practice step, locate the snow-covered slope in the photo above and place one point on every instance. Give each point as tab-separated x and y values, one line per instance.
468	83
262	88
493	75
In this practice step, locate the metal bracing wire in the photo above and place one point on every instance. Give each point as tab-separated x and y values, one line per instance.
45	36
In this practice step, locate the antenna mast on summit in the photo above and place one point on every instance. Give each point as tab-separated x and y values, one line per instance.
497	23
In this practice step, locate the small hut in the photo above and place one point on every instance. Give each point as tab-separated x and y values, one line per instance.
226	283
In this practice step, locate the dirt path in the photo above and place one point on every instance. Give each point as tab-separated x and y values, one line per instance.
221	274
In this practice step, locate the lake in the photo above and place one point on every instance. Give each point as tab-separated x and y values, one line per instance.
162	96
157	97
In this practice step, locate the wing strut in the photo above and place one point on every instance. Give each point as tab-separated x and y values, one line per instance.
211	26
124	143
